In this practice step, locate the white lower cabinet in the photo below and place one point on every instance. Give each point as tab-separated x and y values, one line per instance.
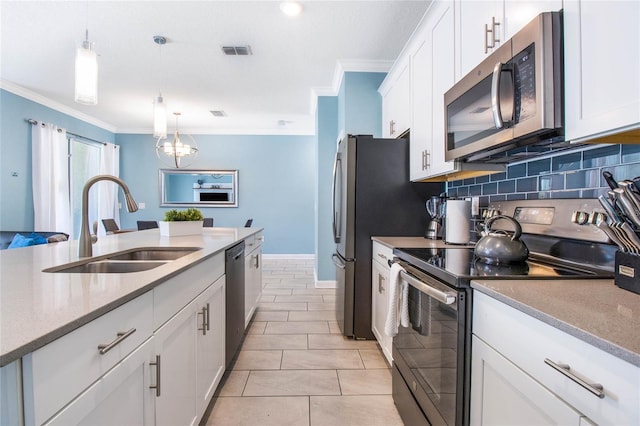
380	296
252	275
120	397
523	368
504	394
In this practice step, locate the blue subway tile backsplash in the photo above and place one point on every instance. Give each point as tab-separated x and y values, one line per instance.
574	174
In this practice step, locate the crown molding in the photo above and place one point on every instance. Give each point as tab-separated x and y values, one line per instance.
42	100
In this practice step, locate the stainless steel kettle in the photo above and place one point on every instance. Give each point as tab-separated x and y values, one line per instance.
501	247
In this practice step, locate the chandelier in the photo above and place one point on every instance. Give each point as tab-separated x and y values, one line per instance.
179	152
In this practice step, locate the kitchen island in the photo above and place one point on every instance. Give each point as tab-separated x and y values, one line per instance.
59	329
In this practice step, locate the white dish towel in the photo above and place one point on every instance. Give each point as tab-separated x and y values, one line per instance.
398	312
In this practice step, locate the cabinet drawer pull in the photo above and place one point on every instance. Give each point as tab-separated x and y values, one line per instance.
157	385
382	256
205	320
595	388
104	348
380	286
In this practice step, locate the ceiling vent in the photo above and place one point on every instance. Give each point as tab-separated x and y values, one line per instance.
218	113
237	50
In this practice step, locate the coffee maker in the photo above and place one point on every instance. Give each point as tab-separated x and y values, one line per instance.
436	210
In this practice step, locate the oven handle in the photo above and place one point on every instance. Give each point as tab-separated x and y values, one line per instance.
445	297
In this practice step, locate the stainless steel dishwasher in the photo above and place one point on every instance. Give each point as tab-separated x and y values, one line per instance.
234	306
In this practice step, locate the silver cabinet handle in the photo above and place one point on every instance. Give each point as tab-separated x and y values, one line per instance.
382	256
392	129
208	318
104	348
157	385
257	261
595	388
205	319
491	31
380	281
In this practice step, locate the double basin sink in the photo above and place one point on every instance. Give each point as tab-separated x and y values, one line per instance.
126	261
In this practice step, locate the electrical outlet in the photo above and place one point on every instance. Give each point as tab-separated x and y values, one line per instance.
475	206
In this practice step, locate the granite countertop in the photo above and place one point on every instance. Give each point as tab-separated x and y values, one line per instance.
595	311
38	307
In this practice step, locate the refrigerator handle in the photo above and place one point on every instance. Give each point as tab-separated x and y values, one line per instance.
337	261
336	213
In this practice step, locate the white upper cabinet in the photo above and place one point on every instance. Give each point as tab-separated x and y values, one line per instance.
602	68
396	95
484	25
433	73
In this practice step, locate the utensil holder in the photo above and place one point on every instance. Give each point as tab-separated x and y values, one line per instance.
627	272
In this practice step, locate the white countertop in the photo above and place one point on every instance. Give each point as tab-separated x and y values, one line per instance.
38	307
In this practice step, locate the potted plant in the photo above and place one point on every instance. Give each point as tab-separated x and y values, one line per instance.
184	222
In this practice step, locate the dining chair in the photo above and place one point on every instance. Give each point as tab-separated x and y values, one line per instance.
248	224
110	226
147	224
208	222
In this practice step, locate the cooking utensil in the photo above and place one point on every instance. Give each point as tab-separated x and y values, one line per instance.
501	247
630	189
613	236
609	209
608	177
627	206
629	235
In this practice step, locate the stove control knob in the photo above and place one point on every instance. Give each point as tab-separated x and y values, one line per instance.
581	218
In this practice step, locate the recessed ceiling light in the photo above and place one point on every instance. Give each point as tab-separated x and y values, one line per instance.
291	8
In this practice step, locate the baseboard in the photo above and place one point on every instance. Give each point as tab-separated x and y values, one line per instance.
288	256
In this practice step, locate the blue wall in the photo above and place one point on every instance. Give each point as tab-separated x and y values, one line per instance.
16	197
276	176
327	125
360	104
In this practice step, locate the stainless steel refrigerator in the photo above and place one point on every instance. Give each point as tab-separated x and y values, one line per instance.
372	196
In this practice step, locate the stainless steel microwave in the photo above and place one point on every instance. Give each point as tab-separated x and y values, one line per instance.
513	99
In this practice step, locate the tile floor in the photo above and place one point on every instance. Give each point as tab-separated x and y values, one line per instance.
295	368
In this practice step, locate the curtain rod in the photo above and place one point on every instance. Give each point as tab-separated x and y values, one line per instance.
34	122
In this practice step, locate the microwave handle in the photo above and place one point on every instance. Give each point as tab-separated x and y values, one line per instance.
495	96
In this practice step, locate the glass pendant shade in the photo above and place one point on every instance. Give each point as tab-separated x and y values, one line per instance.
160	117
179	152
86	85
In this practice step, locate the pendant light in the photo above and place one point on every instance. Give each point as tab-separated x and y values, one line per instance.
159	105
86	73
179	152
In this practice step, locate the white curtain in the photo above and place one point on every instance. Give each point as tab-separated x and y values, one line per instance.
108	191
50	179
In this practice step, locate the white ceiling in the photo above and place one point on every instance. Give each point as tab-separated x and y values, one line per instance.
293	59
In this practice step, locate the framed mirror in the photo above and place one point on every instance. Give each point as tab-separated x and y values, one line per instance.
198	188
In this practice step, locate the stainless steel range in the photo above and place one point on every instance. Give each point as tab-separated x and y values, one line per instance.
431	356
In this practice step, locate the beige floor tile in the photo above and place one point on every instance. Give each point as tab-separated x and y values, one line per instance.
292	382
258	360
276	291
321	306
334	328
275	341
288	284
329	298
373	358
354	410
334	341
256	327
315	291
267	298
321	359
271	316
260	411
234	383
365	382
300	298
301	327
282	307
312	316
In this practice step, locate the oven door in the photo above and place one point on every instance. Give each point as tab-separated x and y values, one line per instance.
431	354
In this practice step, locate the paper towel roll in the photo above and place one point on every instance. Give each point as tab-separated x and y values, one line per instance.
457	218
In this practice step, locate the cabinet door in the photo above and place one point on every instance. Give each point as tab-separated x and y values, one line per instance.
472	18
602	84
421	110
120	397
396	114
517	14
503	394
380	306
176	348
210	342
